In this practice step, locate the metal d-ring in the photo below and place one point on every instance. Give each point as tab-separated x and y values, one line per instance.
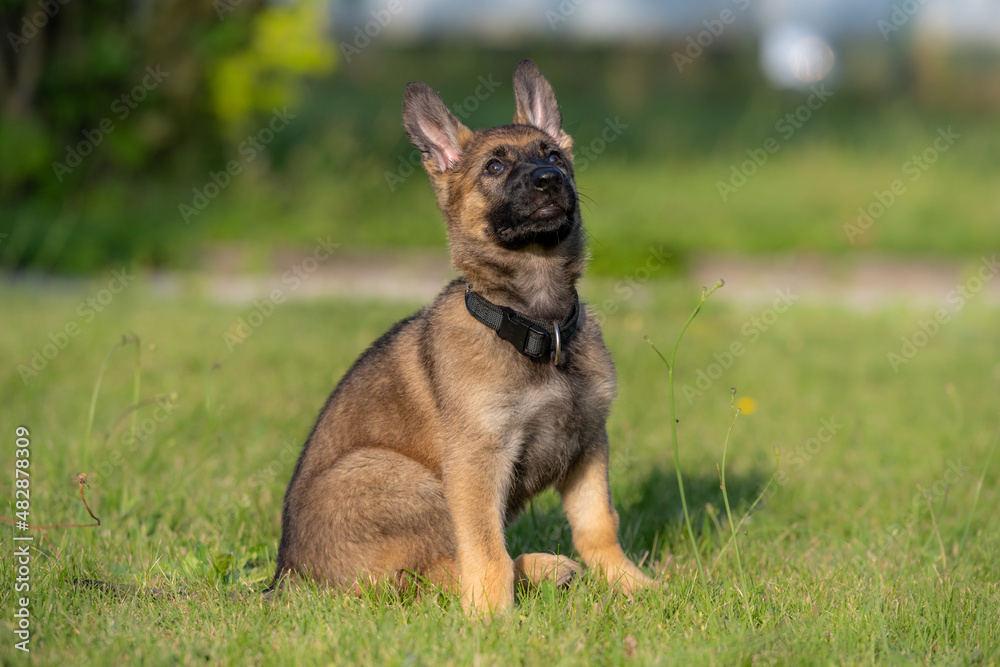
555	354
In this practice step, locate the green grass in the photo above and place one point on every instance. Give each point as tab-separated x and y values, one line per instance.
842	559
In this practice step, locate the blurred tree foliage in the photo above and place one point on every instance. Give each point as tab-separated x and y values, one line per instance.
284	45
108	108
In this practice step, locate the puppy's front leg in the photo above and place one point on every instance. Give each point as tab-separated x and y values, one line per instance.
476	481
586	497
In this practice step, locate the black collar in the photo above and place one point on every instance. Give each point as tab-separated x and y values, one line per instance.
532	338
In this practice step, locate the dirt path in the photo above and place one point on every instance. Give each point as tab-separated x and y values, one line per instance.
861	284
403	276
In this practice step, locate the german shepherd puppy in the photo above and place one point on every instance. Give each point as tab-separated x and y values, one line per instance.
449	423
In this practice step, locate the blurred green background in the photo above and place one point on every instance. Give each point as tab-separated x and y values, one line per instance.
838	154
118	121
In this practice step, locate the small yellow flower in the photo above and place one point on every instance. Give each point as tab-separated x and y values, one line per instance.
747	405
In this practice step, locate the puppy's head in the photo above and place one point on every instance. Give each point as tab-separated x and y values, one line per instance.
507	188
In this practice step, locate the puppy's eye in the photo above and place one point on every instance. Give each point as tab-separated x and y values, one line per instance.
554	159
494	167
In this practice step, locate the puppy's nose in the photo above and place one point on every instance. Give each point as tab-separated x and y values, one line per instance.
547	179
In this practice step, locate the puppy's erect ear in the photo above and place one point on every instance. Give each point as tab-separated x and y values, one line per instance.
433	129
536	103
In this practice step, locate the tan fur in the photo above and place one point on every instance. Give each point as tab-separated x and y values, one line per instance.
440	433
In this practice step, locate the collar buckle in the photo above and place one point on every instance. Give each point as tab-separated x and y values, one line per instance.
516	330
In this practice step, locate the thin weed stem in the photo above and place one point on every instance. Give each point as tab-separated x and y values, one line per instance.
133	411
750	510
729	512
956	404
705	293
136	384
81	479
209	403
937	531
93	398
979	488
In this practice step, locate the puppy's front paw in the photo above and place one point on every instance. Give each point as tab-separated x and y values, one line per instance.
533	569
485	595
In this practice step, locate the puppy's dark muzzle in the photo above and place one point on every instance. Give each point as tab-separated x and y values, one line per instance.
540	207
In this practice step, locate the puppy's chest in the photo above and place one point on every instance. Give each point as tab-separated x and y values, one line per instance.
543	430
